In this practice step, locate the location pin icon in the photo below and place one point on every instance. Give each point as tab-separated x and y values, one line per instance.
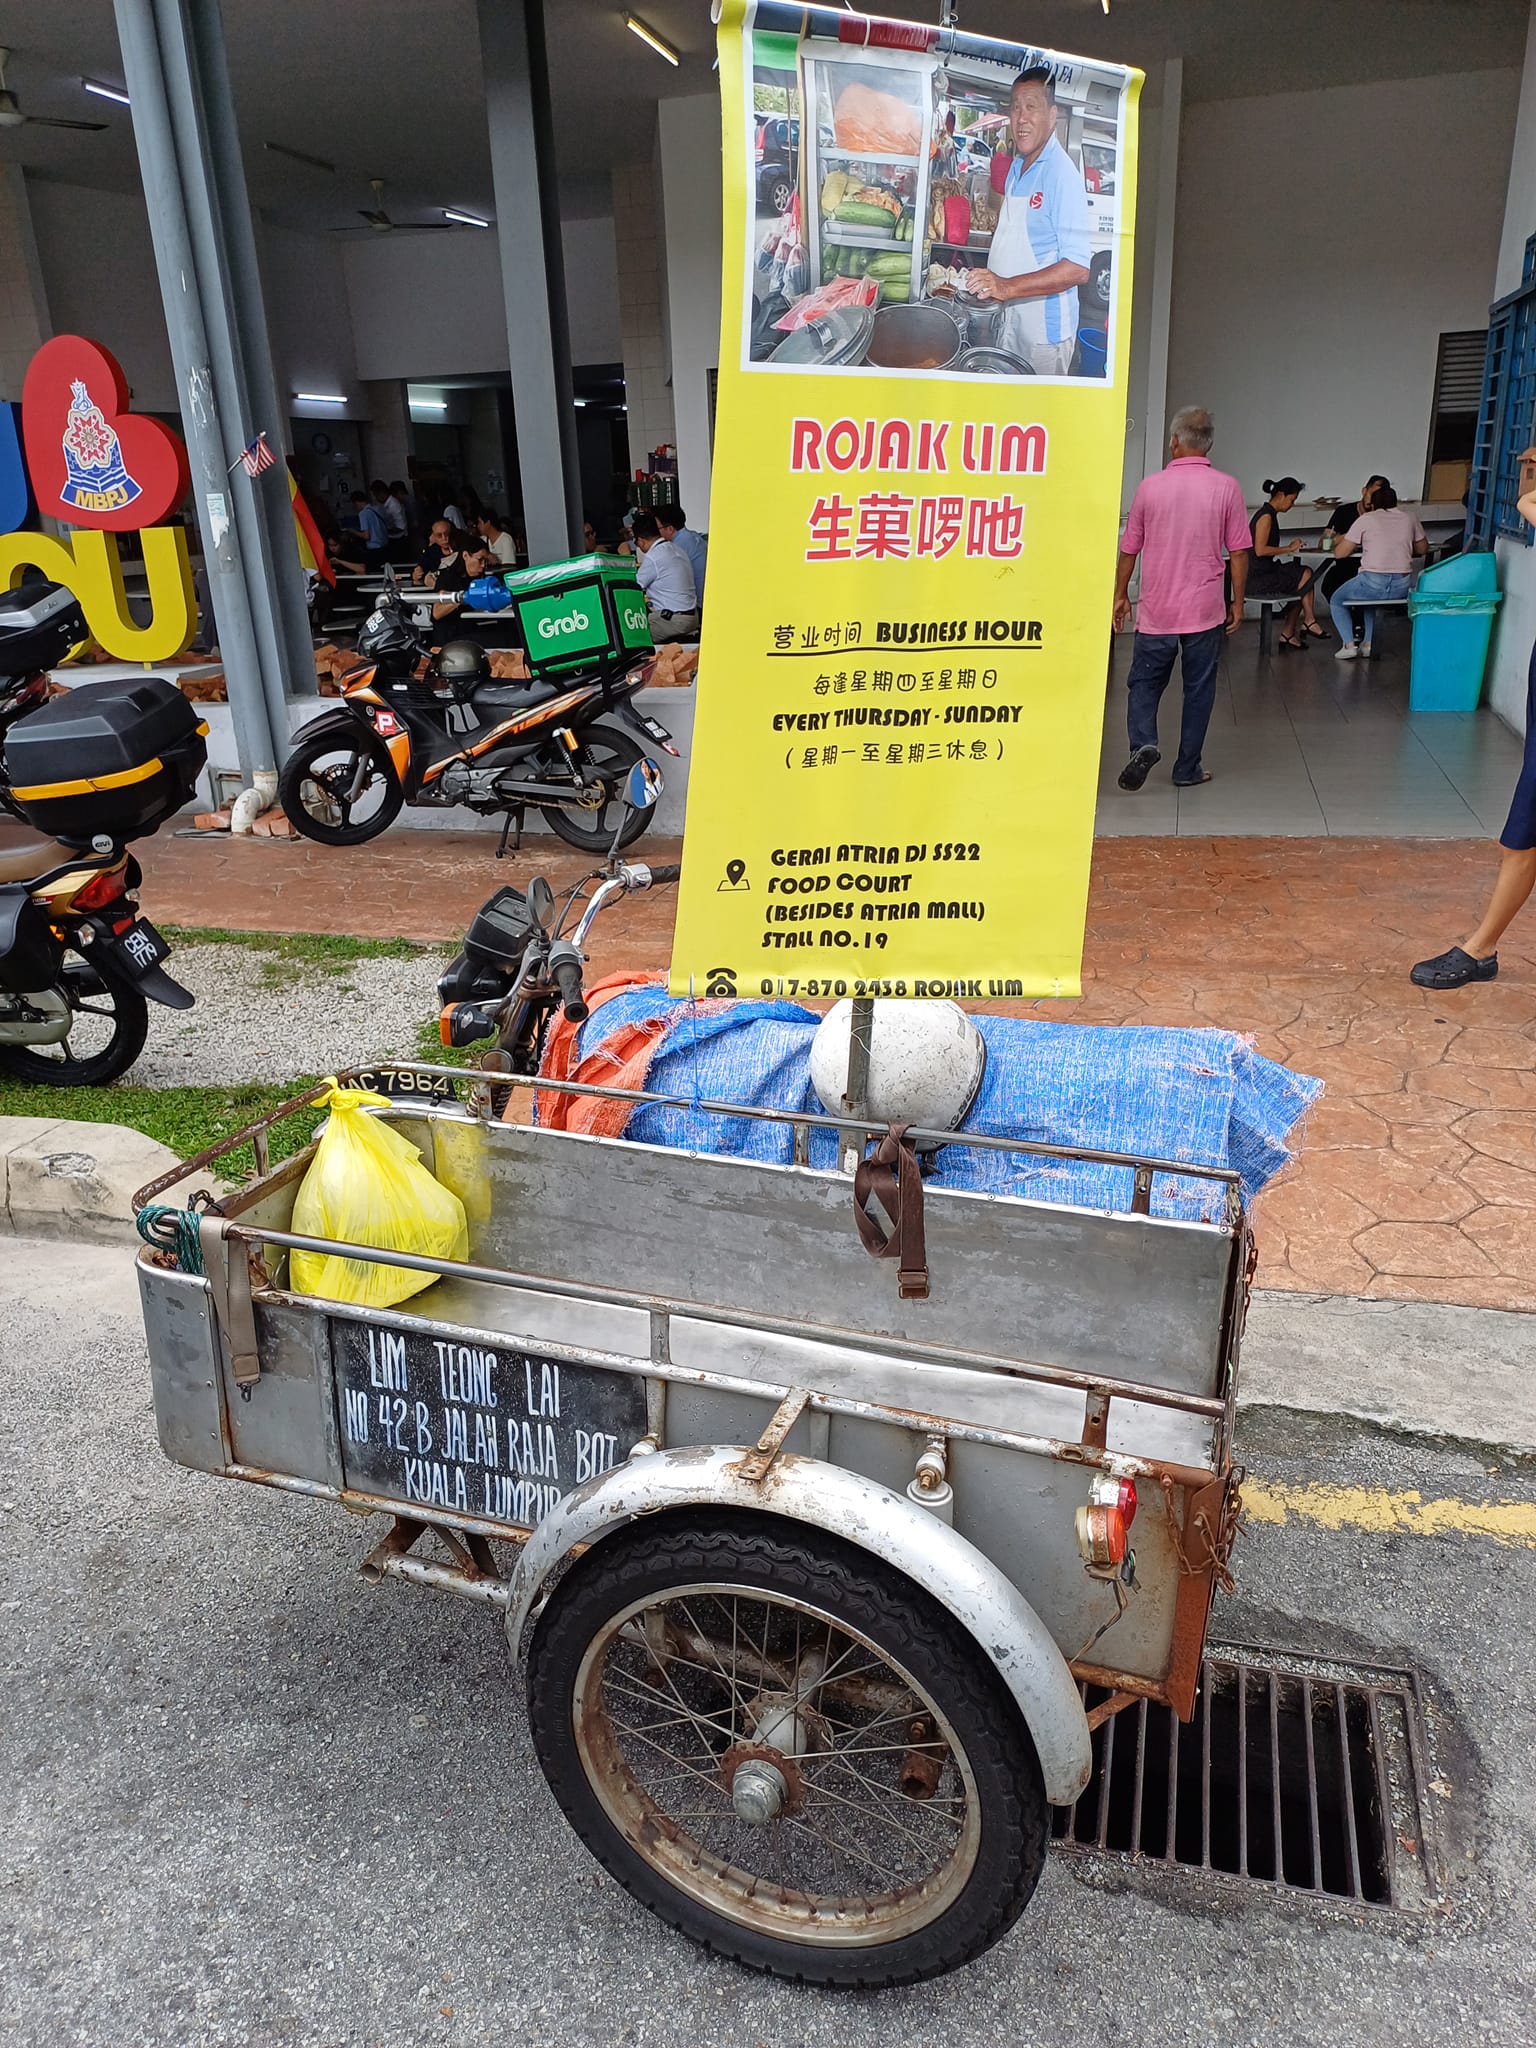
734	870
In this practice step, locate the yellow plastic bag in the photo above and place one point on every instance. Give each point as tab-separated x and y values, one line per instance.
367	1185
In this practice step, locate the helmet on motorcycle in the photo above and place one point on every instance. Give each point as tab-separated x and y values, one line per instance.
462	662
926	1061
386	632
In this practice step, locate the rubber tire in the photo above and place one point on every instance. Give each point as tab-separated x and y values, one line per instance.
122	1049
565	822
295	769
789	1558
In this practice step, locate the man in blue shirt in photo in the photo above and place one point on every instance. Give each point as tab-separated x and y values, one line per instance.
1039	254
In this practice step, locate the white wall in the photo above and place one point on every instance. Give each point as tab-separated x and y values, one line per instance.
24	321
98	267
692	211
1516	628
309	323
340	310
1325	241
425	306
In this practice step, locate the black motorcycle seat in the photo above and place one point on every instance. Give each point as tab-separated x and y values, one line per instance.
496	700
25	859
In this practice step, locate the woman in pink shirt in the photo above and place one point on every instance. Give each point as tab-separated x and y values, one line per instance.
1390	541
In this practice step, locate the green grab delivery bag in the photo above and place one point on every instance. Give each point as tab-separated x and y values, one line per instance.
366	1185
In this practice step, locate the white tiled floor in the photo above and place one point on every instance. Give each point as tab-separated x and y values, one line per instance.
1303	745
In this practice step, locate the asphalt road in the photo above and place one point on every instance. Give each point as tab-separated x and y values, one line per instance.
250	1800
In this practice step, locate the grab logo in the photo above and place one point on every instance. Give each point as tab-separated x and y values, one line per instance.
572	622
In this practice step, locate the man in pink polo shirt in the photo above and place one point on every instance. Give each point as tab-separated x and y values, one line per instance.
1185	520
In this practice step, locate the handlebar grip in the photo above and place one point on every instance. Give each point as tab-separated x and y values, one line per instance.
565	970
666	871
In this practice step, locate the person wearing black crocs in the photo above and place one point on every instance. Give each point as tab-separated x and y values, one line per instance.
1476	958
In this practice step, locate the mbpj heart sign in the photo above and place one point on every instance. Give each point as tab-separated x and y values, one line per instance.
102	469
92	460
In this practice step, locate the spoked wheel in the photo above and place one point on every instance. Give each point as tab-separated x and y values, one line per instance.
338	790
108	1025
787	1750
607	755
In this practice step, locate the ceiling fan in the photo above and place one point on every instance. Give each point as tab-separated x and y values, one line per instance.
11	115
382	223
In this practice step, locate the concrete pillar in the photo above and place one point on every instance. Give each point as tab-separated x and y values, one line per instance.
637	238
1165	198
515	65
689	132
387	436
154	47
262	504
24	322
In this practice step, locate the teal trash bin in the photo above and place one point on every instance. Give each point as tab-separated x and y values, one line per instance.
1452	608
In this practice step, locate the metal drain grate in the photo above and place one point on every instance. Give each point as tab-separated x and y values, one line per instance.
1295	1773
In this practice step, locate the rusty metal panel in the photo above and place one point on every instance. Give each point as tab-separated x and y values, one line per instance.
1131	1297
1020	1512
184	1369
288	1423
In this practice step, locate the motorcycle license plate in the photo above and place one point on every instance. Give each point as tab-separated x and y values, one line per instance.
655	730
384	1081
140	947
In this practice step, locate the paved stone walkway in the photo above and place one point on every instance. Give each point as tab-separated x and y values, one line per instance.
1418	1171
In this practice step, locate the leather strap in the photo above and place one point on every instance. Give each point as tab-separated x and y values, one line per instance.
892	1176
228	1267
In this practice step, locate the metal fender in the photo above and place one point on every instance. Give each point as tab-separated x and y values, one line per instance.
797	1489
343	723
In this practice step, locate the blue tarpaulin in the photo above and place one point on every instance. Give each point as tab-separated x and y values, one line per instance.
1201	1097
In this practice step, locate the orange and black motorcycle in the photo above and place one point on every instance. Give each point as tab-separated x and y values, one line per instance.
454	735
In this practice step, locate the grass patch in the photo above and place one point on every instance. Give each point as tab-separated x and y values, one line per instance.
186	1119
323	952
190	1119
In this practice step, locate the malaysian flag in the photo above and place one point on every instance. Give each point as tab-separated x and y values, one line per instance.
257	457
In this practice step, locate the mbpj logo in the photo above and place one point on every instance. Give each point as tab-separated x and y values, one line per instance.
93	459
101	469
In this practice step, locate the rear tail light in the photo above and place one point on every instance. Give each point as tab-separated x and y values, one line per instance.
1103	1523
105	889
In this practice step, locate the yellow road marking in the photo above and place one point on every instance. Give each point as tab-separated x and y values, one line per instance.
1379	1513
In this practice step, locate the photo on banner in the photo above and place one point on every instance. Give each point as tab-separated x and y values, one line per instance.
918	454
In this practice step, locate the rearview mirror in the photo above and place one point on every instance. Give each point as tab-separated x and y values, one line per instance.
541	902
643	786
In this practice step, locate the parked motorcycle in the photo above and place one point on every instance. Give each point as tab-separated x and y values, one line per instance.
39	623
519	963
457	736
87	771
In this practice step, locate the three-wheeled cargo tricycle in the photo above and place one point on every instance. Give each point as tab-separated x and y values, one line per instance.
814	1568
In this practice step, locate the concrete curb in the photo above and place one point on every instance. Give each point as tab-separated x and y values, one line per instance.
1419	1368
60	1178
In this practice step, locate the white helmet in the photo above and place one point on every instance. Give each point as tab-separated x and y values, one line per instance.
926	1060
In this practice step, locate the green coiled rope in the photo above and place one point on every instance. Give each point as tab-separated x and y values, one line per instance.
174	1231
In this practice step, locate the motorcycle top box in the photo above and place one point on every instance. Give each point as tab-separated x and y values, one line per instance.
113	758
38	625
580	614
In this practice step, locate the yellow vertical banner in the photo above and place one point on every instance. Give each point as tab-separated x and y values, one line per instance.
919	435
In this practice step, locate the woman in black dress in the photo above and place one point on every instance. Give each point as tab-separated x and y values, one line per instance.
1476	958
1271	572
